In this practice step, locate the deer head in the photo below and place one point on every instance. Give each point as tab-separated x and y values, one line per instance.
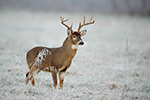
76	35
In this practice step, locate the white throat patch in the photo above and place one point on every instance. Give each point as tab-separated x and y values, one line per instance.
74	46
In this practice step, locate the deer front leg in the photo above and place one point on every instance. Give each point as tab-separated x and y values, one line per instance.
54	75
61	77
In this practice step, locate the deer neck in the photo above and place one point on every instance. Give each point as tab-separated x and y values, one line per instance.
69	47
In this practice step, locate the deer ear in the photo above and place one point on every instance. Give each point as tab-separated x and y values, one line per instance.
69	32
83	32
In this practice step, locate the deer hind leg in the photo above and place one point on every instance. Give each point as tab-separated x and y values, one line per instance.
31	74
54	75
27	79
61	77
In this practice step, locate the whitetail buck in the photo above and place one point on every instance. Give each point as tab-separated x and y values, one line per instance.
55	60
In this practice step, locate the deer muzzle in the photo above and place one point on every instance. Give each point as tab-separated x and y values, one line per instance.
81	43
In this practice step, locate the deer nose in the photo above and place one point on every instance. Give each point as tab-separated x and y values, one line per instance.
81	43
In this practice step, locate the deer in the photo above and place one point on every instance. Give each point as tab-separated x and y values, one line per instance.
55	60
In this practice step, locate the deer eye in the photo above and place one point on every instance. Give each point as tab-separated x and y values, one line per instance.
74	36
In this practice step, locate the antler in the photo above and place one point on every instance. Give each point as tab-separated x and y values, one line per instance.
62	21
90	22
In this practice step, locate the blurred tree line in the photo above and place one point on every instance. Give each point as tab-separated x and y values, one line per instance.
140	7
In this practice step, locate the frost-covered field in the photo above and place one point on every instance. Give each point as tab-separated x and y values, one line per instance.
113	64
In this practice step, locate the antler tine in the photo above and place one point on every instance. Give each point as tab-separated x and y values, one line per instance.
91	19
80	24
84	20
71	25
90	22
62	21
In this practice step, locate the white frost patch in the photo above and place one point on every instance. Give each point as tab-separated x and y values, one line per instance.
74	46
46	69
36	72
52	68
41	57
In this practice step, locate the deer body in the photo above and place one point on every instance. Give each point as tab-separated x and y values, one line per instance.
54	60
58	57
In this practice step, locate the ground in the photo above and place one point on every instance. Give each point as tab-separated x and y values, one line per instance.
114	63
